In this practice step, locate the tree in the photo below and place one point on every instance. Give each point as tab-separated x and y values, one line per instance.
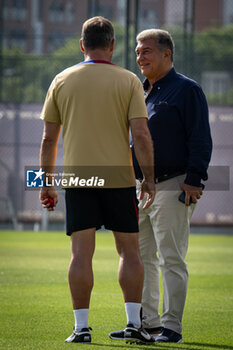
26	77
214	49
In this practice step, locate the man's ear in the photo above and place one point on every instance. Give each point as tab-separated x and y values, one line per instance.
167	53
81	46
112	45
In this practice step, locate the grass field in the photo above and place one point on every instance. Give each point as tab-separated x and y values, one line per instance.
36	311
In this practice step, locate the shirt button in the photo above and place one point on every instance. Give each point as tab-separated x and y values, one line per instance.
158	87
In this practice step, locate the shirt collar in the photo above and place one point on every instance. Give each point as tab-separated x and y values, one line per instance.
97	61
170	75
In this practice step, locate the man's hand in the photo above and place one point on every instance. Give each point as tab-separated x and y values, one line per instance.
48	192
191	192
149	188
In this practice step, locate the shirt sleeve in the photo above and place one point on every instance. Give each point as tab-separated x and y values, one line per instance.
198	136
137	107
50	112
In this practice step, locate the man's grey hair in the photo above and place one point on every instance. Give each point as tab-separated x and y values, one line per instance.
162	38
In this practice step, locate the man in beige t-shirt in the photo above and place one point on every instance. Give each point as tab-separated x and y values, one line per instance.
95	102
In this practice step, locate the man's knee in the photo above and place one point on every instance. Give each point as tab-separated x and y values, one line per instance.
83	244
127	244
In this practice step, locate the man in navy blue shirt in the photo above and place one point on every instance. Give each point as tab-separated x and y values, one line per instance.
179	125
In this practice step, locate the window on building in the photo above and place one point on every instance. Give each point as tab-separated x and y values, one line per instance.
18	38
5	38
121	11
56	40
69	12
148	19
216	82
106	11
6	10
19	10
57	11
41	10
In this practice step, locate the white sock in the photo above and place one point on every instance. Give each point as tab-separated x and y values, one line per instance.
133	314
81	319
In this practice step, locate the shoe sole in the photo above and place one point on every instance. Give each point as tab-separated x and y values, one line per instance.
137	341
171	342
115	338
79	342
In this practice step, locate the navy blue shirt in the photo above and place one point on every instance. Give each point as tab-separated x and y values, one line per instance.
179	126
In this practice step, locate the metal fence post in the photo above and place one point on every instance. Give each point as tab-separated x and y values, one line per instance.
188	30
2	4
127	22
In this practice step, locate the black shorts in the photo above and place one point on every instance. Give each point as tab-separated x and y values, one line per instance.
115	208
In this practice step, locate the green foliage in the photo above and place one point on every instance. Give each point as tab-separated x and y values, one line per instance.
118	56
13	64
36	311
70	50
26	77
221	99
178	37
214	49
214	52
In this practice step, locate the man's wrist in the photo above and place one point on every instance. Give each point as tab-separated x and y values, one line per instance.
193	179
48	186
149	179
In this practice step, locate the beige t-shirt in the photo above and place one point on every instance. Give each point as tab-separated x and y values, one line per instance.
94	102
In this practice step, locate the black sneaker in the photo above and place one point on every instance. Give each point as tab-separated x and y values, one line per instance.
137	335
120	335
117	335
84	336
169	336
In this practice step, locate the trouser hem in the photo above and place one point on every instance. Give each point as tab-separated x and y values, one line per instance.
173	327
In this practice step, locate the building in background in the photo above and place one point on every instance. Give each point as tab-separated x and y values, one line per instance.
41	26
206	13
227	12
174	13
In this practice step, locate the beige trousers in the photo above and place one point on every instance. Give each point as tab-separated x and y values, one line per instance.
163	239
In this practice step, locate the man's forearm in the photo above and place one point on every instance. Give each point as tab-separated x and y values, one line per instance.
144	152
48	154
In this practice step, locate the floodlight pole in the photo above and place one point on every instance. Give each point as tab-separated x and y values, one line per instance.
136	10
96	8
92	8
89	8
189	9
2	5
127	22
17	162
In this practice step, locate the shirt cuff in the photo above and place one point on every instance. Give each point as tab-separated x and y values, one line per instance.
193	179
